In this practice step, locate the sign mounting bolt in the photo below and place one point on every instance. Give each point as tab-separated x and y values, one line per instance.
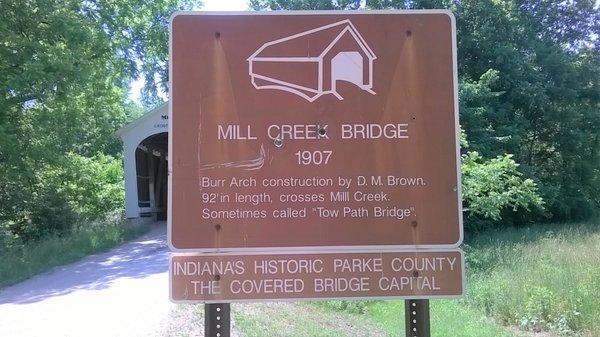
278	142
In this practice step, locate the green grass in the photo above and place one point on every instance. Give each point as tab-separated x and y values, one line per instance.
378	318
448	318
539	278
520	280
300	320
20	262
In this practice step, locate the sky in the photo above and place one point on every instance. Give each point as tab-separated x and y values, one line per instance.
209	5
225	5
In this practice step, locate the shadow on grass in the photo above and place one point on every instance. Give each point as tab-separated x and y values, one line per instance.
530	234
486	249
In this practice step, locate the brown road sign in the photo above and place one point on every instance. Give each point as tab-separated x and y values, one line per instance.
228	278
313	131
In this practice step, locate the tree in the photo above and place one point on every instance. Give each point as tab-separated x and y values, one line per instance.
493	186
65	66
304	4
530	86
547	62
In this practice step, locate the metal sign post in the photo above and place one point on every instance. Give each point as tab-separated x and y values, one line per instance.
217	321
416	313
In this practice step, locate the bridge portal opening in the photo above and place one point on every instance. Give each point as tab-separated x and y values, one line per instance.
151	159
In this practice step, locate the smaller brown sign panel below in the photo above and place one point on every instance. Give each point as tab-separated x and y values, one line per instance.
416	274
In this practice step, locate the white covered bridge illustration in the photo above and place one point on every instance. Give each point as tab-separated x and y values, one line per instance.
310	63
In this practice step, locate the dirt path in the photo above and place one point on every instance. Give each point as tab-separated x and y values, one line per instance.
187	320
123	292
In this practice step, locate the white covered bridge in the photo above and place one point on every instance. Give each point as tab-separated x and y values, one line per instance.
145	157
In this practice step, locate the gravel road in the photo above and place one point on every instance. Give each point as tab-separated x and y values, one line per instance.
123	292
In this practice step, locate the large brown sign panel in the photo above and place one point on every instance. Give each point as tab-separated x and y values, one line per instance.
312	131
229	278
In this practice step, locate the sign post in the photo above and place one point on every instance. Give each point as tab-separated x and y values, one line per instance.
314	155
217	320
416	317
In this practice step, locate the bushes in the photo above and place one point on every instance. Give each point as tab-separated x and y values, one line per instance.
68	208
59	194
491	187
89	186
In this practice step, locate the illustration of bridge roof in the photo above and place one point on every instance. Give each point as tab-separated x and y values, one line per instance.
311	44
301	64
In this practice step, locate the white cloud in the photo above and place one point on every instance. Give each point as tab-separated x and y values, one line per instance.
225	5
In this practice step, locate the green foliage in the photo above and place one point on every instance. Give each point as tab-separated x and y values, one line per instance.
91	185
304	4
543	103
476	109
70	190
65	66
491	186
